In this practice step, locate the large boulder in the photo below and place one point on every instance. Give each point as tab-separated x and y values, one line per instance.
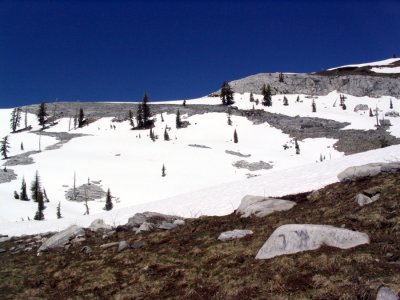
261	206
99	225
150	217
368	170
361	107
293	238
385	293
234	234
62	238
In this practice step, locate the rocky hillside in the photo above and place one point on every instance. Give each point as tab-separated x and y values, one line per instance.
188	261
353	80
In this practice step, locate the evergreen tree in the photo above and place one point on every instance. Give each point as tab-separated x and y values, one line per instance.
130	117
109	204
166	135
285	101
152	135
184	103
5	145
162	118
45	198
370	112
16	195
314	106
26	119
229	118
22	146
296	146
251	97
139	116
391	104
226	94
42	114
235	137
267	95
15	119
281	77
178	119
81	118
59	216
146	111
39	213
163	169
344	106
36	189
298	99
23	194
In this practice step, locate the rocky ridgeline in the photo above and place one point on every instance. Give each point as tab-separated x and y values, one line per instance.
315	84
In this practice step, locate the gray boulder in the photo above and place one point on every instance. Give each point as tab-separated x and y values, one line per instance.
392	113
261	206
293	238
368	170
234	234
99	225
150	217
179	222
122	246
359	107
137	244
109	245
167	226
363	199
385	293
145	227
62	238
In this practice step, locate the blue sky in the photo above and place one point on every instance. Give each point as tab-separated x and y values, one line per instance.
116	50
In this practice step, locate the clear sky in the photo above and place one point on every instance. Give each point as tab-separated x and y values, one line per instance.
116	50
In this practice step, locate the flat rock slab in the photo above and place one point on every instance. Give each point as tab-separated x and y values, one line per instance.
293	238
252	166
62	238
368	170
385	293
261	206
234	234
109	245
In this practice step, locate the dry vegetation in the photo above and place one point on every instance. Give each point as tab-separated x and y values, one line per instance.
190	263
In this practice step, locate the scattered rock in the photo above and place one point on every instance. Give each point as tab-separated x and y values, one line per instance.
364	198
62	238
167	226
293	238
99	225
261	206
359	107
109	245
234	234
4	239
385	293
86	249
78	240
145	227
137	244
392	113
254	166
122	245
368	170
150	217
2	250
199	146
237	153
179	222
121	228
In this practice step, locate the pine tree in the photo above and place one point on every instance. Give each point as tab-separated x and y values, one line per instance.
314	106
298	99
5	145
45	198
139	116
23	194
226	94
235	137
15	119
166	135
22	146
146	111
281	77
267	95
184	103
163	169
59	216
251	97
109	204
152	135
42	114
285	101
39	213
130	117
81	118
26	119
162	118
16	195
229	118
36	189
296	146
391	104
178	119
370	112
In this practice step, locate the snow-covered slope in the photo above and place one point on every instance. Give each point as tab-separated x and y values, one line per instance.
199	180
384	62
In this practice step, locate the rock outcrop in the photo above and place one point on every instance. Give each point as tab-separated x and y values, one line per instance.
62	238
293	238
234	234
368	170
261	206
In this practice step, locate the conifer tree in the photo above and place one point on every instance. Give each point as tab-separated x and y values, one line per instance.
281	77
184	103
251	97
146	111
16	195
130	117
42	114
59	216
39	213
81	118
166	135
15	119
267	95
229	118
26	119
23	194
36	189
22	146
296	146
5	145
45	198
391	104
226	94
109	204
370	112
314	106
285	101
163	170
162	118
152	135
178	119
235	137
298	99
139	116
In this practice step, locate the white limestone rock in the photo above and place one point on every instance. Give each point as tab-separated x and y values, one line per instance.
293	238
385	293
99	225
363	199
261	206
234	234
62	238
